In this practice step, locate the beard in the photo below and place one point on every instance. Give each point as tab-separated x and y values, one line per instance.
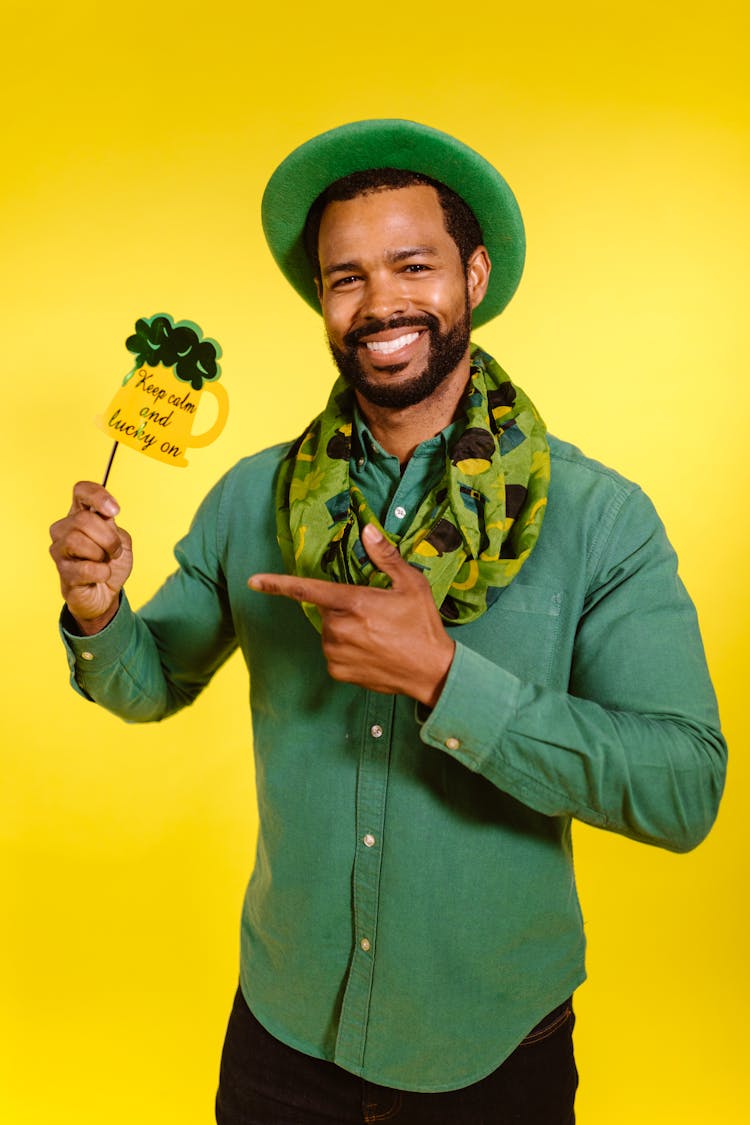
446	351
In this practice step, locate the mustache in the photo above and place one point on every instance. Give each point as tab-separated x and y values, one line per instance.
426	321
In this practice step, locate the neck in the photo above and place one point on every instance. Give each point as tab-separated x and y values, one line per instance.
400	430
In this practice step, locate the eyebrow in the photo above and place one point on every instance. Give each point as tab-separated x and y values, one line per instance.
393	256
412	252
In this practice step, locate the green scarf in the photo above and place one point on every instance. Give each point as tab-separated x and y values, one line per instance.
473	530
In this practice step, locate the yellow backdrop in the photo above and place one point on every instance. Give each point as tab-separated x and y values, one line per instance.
137	142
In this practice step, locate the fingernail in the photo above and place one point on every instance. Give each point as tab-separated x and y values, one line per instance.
372	533
110	508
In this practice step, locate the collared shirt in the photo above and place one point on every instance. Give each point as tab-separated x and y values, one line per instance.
412	912
393	493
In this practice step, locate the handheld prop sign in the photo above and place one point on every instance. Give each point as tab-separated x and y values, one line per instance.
154	410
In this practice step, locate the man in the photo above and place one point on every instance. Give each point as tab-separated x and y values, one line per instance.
490	640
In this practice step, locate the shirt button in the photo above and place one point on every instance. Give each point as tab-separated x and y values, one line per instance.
87	656
399	512
360	462
368	840
365	944
376	730
452	743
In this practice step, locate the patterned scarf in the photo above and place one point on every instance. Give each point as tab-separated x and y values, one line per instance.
473	530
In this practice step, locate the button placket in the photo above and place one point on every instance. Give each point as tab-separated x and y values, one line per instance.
372	783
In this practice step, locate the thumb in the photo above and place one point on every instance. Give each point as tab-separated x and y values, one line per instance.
384	555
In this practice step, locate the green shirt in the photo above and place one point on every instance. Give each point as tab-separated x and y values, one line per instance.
393	493
412	912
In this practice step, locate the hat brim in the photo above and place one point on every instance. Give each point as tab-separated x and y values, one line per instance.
393	143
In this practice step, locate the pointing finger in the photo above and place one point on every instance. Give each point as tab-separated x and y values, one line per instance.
325	595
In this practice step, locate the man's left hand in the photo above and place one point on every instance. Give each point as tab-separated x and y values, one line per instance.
391	641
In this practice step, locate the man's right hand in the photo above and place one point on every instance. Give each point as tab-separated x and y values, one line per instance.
93	556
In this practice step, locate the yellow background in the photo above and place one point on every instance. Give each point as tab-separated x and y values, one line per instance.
137	140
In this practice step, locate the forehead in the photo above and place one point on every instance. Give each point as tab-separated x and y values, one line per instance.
386	219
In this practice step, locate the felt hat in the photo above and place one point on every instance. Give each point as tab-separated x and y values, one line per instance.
393	143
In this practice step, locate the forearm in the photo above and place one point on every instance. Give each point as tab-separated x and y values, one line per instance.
145	666
624	733
655	777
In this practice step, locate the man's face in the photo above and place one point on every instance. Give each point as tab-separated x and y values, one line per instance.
396	299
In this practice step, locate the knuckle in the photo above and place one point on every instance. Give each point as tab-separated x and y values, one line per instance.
330	633
358	600
86	573
85	489
337	671
81	546
98	572
327	634
76	573
82	520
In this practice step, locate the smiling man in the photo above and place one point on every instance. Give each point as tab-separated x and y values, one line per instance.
385	252
476	635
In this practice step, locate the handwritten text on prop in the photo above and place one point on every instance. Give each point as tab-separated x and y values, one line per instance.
155	409
154	412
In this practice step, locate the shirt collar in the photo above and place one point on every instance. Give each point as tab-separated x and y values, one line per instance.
366	450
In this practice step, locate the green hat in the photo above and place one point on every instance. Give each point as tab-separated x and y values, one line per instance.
361	145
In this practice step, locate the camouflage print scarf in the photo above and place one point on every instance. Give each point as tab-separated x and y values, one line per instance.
473	530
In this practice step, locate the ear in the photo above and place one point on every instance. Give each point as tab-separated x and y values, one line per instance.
319	290
478	269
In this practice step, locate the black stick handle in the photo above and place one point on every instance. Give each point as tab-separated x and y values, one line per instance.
109	464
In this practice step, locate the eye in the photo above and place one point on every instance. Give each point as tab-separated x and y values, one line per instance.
415	267
342	282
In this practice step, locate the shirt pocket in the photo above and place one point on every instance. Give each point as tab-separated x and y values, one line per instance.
521	632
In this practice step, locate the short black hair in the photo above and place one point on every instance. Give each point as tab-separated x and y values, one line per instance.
460	221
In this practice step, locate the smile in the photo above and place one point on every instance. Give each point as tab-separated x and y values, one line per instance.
385	347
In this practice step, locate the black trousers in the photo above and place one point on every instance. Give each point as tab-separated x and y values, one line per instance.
264	1082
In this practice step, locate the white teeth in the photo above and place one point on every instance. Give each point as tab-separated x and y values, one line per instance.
384	347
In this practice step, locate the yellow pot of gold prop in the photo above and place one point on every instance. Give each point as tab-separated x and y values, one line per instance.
154	411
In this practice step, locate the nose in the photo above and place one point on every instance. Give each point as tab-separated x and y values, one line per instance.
383	296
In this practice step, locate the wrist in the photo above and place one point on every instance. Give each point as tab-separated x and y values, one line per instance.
440	668
89	627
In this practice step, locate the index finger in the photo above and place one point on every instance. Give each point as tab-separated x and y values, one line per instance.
87	494
325	595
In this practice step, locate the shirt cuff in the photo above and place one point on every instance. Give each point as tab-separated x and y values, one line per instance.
476	706
87	655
